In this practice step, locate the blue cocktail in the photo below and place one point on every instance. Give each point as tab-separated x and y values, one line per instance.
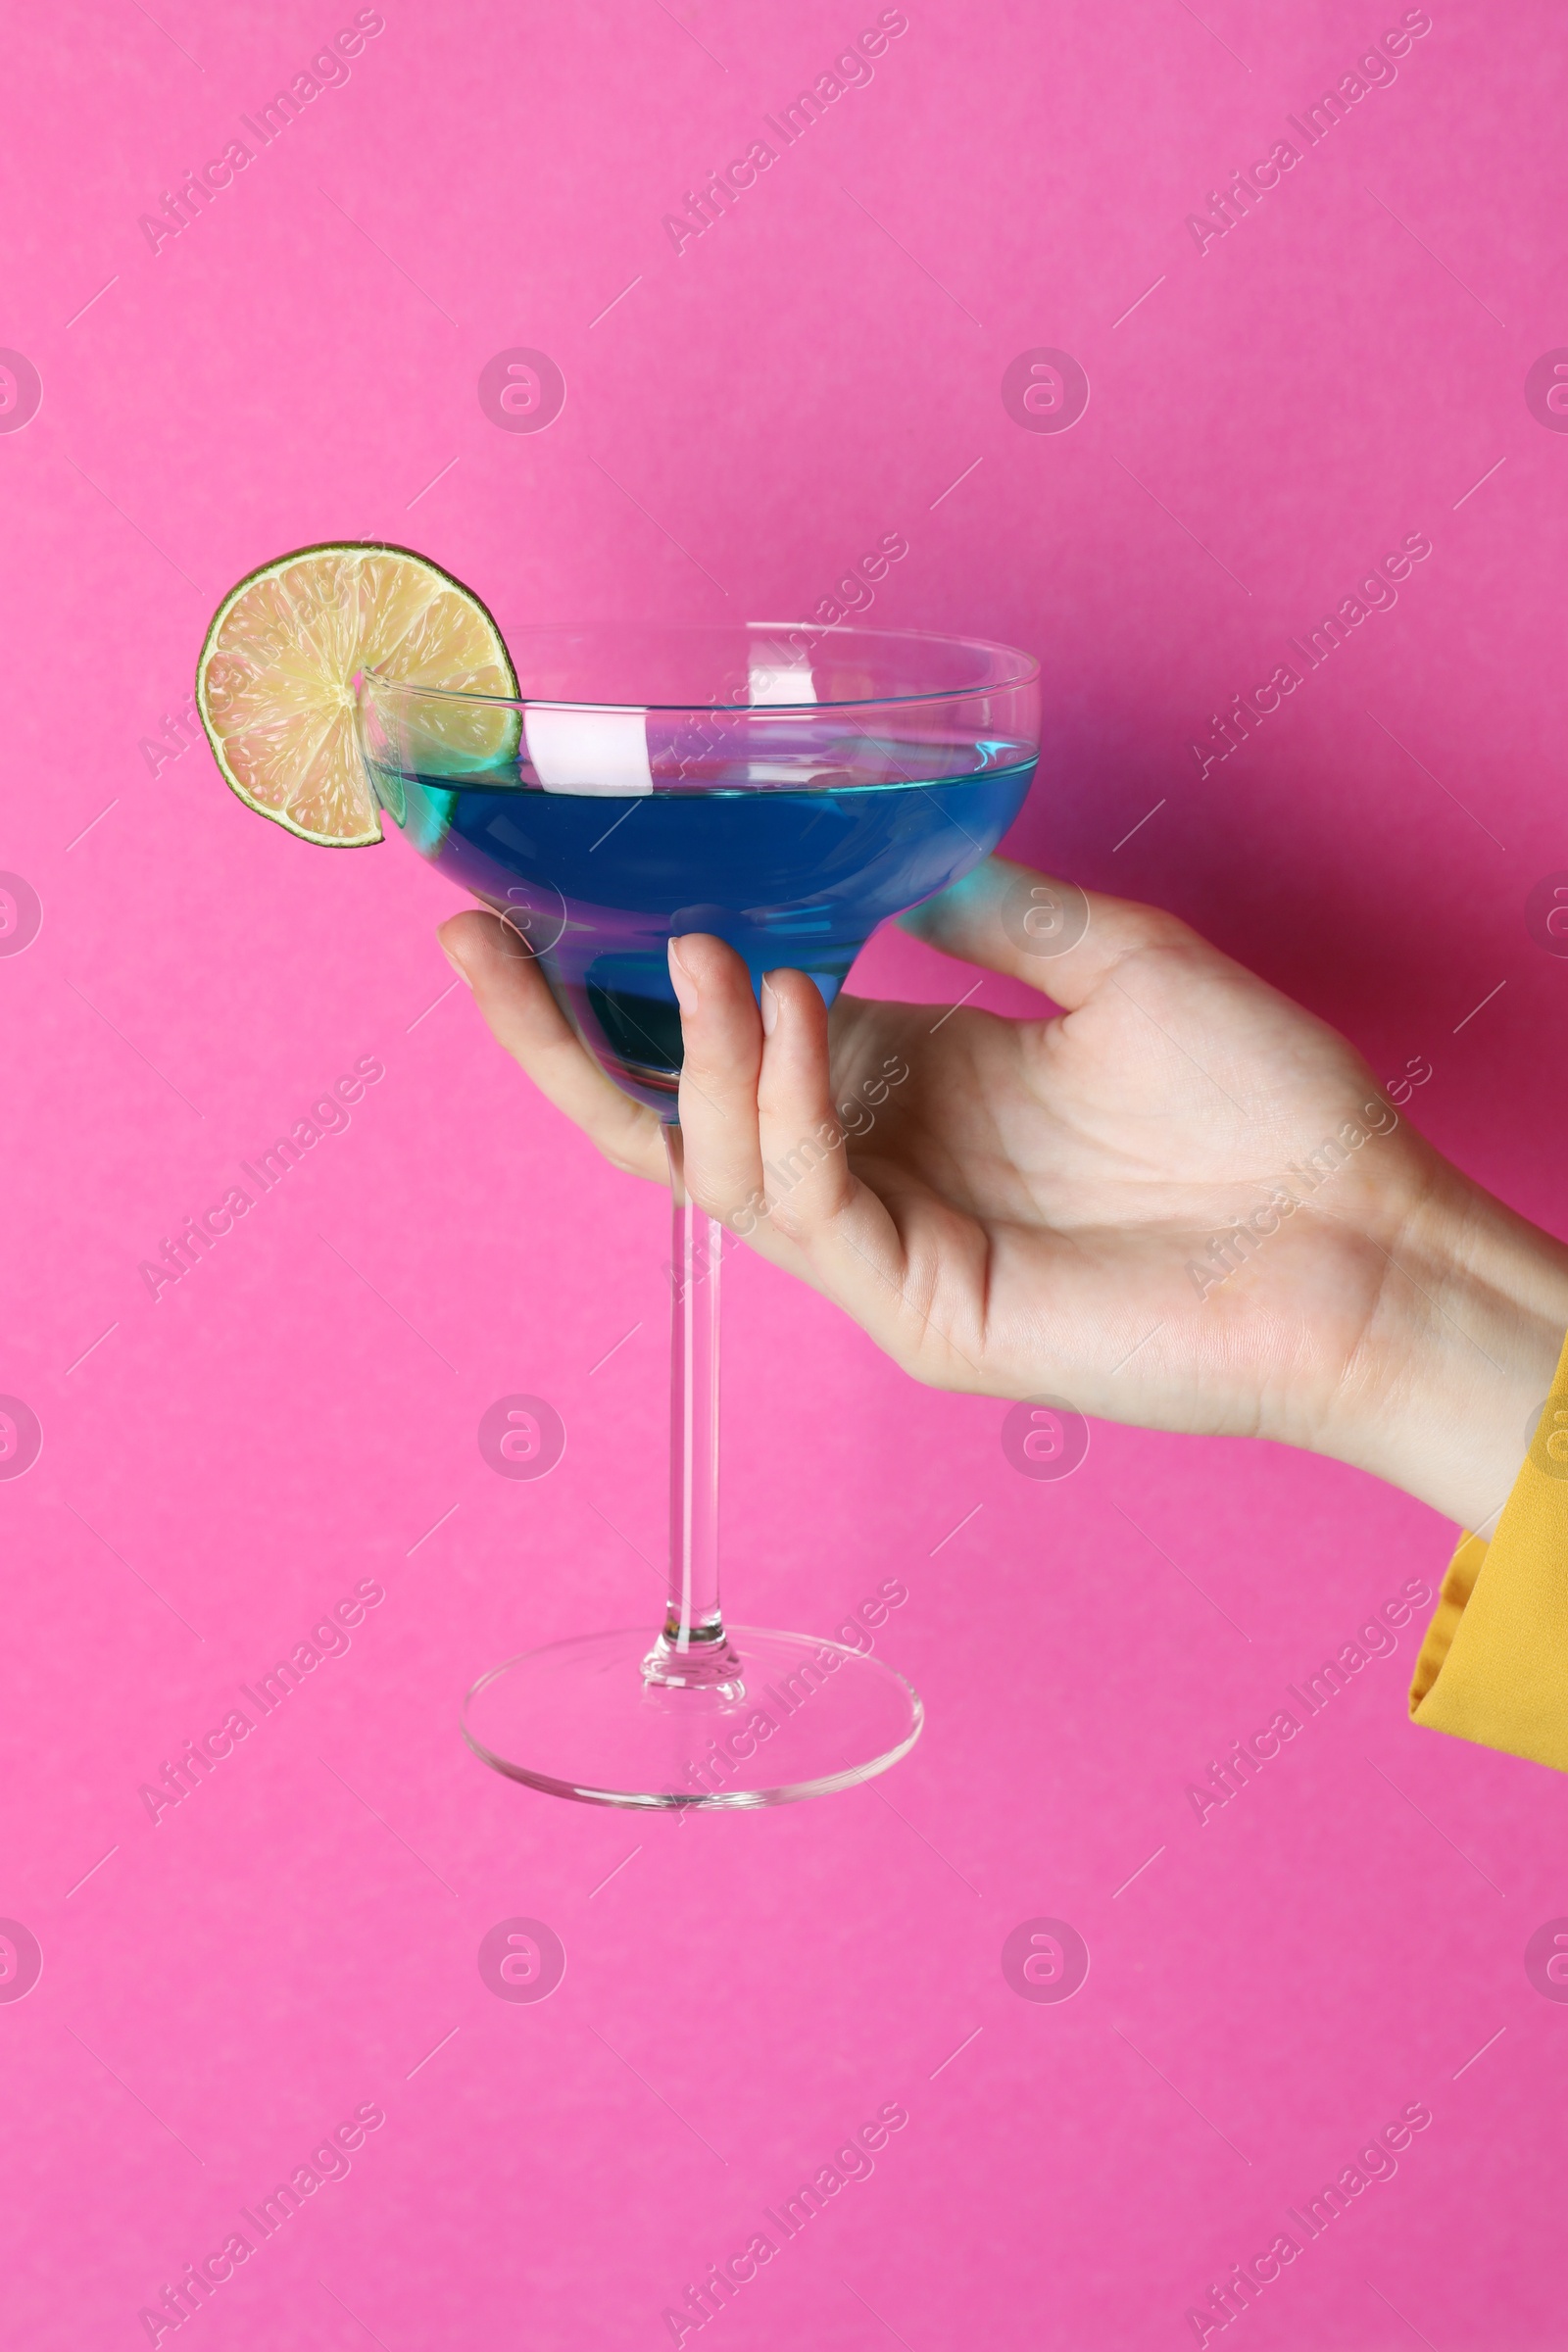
787	877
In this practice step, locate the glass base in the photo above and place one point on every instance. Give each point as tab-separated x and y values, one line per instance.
588	1719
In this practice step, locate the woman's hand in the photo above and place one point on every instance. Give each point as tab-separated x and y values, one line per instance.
1181	1202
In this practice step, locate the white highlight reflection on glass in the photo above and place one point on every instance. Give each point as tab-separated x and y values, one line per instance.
588	751
776	676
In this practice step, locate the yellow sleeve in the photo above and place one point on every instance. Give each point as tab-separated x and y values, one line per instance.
1494	1666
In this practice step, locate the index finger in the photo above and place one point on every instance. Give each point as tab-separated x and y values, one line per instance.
510	991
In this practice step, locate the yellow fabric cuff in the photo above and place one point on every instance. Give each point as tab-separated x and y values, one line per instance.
1494	1666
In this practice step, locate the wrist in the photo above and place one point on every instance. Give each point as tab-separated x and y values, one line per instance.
1461	1350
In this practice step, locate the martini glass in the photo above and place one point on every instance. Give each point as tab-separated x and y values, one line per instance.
786	788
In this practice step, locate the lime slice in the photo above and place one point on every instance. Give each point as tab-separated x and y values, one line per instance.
275	681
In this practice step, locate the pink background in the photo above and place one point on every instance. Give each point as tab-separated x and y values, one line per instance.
1342	369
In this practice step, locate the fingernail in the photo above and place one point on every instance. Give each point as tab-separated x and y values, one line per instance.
451	955
769	1006
680	980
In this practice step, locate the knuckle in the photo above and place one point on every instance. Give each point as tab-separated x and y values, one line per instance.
744	1217
714	1194
714	1099
789	1220
1153	927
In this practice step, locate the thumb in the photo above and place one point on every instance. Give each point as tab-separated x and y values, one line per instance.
1039	929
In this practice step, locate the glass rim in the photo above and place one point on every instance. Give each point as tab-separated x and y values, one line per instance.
1016	669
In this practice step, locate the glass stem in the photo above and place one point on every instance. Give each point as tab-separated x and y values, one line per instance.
692	1648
